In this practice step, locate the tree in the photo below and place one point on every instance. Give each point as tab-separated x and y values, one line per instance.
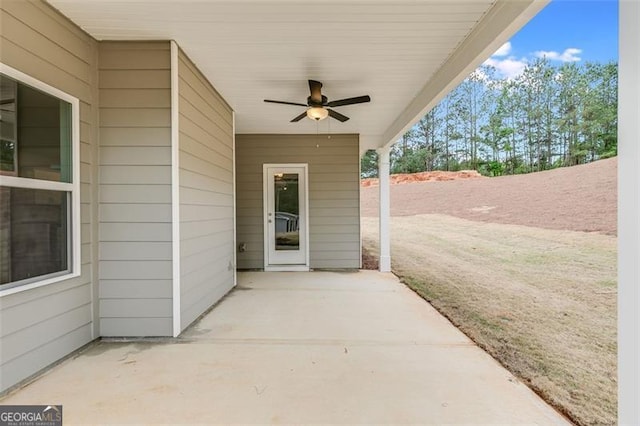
369	164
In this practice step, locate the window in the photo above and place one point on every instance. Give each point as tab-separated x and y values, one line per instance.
39	183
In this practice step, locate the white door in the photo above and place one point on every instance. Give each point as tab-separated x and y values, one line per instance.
285	202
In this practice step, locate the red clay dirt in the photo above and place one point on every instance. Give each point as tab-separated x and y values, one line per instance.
435	176
579	198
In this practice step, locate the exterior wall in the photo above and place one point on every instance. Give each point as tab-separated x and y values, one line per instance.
135	189
41	325
206	193
334	195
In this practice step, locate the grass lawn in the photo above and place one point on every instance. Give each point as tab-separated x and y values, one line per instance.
542	302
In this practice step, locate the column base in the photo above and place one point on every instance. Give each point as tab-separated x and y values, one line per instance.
385	264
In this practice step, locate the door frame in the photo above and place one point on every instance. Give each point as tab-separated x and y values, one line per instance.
304	206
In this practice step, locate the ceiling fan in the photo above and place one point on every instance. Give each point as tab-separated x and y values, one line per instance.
317	104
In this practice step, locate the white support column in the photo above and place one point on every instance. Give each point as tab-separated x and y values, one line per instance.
628	215
384	209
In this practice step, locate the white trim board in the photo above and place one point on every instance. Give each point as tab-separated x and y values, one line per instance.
175	189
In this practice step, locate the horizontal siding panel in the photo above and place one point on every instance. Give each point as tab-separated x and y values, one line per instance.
192	313
135	156
201	243
193	229
136	308
335	229
54	26
22	59
189	74
333	246
135	117
315	185
135	194
302	152
218	157
337	211
335	264
197	213
134	79
136	289
140	232
21	317
43	47
334	220
193	106
140	175
135	250
205	260
119	58
194	196
206	193
136	327
140	213
135	98
135	46
196	132
140	136
336	195
204	167
16	344
190	179
329	204
35	360
135	270
321	238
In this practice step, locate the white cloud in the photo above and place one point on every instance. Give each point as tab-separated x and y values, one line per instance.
569	55
504	50
508	68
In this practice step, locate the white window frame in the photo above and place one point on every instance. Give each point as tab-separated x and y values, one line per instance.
73	188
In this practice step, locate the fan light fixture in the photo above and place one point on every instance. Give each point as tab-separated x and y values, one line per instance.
317	113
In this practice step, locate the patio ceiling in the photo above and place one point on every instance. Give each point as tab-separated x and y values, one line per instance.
405	54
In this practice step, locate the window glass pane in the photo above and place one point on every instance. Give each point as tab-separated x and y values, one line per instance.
8	129
43	135
36	133
287	211
33	233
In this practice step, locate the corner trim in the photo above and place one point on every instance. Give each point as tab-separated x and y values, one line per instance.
175	189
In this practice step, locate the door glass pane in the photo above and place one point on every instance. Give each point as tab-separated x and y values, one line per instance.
287	211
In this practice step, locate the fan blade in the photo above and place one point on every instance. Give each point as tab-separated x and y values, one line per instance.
285	103
349	101
300	117
337	115
316	94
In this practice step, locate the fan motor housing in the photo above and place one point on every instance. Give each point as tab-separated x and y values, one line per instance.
316	104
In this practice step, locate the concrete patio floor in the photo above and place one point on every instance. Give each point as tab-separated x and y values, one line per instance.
319	347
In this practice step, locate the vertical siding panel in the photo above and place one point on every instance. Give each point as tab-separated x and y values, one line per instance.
334	195
206	193
134	84
34	332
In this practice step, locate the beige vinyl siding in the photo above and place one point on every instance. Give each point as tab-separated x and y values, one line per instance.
41	325
206	193
334	193
135	189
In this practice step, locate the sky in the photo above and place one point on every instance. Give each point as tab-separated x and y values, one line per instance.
564	31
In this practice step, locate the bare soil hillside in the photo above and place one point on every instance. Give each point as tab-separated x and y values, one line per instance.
580	198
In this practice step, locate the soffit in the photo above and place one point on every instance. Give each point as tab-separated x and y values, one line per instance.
255	50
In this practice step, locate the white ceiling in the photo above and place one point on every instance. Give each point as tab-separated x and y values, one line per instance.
404	54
